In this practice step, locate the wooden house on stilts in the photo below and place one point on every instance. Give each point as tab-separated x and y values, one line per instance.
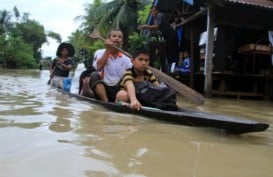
230	45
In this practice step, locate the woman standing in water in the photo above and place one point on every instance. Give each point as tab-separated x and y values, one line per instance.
61	66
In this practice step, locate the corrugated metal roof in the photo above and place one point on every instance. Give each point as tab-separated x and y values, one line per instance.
170	5
258	3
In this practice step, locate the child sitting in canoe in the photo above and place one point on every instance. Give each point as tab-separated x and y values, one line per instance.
139	86
84	78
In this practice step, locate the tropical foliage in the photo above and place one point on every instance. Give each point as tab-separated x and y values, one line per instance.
21	40
33	33
123	14
18	54
30	35
5	22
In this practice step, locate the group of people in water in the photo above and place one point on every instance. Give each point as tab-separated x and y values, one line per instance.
113	76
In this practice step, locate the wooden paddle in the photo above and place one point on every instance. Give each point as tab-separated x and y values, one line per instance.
96	35
50	78
180	88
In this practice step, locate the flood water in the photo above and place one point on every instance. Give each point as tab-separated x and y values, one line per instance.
44	133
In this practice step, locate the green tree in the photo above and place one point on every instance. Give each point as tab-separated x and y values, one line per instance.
137	39
16	13
32	33
143	14
19	54
5	22
5	27
121	14
2	51
30	36
94	13
55	36
91	19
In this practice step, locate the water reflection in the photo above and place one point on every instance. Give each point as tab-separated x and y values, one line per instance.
45	132
60	125
6	123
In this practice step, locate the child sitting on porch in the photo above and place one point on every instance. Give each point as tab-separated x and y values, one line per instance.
182	67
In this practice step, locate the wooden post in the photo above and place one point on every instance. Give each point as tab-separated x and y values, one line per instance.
192	56
208	55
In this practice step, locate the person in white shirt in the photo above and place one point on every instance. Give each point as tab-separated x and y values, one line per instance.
110	64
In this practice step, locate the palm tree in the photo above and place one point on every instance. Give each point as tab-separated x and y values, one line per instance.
94	13
120	14
55	36
5	27
5	22
16	13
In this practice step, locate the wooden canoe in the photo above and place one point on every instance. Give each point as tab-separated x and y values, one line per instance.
226	124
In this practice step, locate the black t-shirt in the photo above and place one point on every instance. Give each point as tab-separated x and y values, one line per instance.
58	70
164	25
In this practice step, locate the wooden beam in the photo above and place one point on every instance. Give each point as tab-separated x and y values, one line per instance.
208	54
216	2
193	17
192	56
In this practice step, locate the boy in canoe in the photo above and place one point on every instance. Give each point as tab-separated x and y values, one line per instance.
139	86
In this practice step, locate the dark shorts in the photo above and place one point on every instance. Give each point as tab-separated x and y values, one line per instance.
111	91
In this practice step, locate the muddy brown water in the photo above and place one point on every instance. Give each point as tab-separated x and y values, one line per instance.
44	133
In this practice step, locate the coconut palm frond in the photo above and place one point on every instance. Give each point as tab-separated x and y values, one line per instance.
5	21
